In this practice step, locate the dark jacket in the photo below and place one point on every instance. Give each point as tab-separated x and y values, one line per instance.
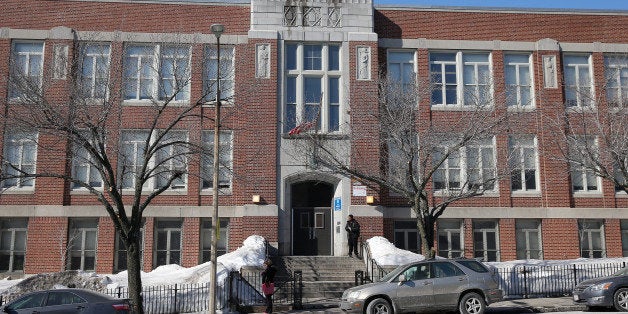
268	275
353	228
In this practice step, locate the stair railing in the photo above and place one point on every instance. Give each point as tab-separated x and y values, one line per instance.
373	270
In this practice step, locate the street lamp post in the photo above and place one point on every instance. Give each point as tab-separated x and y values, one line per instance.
217	29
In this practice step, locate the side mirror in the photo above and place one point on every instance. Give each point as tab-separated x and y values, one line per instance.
401	279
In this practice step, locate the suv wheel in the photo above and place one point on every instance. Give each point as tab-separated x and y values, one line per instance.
379	306
471	303
620	299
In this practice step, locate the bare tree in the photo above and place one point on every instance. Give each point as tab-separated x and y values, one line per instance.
429	160
124	156
592	132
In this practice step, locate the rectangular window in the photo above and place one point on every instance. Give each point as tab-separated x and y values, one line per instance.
169	162
578	81
12	244
82	244
407	236
471	167
592	243
450	241
94	64
485	241
20	153
401	71
583	152
156	72
528	238
518	77
620	177
27	70
85	168
616	81
167	242
523	163
206	238
225	160
313	88
227	73
461	79
120	262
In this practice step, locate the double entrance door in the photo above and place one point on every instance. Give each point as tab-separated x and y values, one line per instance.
311	231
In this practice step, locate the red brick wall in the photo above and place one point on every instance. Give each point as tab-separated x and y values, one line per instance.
191	238
507	240
241	228
612	233
560	239
46	244
106	246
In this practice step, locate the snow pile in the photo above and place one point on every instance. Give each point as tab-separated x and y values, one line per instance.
386	254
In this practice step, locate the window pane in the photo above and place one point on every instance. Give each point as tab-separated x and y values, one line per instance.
334	58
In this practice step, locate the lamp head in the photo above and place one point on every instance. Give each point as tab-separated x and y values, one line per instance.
217	29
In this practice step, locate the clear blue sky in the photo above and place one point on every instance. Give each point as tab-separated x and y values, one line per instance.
564	4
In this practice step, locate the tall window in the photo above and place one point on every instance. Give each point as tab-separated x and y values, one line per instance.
450	242
227	73
401	69
528	237
225	160
518	76
168	242
313	92
157	72
12	244
206	238
82	244
120	262
616	81
523	163
583	179
85	168
485	240
461	78
619	176
27	69
20	153
407	236
94	70
472	167
591	234
578	80
170	160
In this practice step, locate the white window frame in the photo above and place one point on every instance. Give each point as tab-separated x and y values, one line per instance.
81	159
14	229
528	234
516	68
136	140
225	161
462	87
520	143
206	236
169	234
578	168
616	81
227	74
448	232
23	142
485	250
464	165
155	53
24	70
79	233
300	74
91	59
392	61
581	100
587	233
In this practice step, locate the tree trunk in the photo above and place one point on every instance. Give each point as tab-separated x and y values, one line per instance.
425	226
134	268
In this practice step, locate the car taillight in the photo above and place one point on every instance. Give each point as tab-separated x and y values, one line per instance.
121	307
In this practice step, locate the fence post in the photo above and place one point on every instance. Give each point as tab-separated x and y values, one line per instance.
575	275
525	283
297	293
175	297
359	277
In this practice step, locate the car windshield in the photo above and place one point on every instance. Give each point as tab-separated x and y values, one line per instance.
393	273
621	272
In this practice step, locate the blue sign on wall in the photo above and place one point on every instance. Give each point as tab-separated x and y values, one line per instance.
337	204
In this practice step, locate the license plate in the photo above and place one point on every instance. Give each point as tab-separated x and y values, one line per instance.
575	297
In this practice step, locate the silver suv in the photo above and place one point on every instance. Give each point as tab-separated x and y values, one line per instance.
464	285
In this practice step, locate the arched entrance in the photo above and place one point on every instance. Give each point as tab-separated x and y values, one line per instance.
311	218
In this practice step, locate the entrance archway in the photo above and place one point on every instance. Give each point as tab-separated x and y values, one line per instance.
311	218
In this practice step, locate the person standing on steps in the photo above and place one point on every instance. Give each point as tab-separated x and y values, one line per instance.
268	283
353	233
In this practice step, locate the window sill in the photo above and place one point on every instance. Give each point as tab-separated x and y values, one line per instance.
526	194
223	103
442	193
441	107
166	192
150	102
225	191
331	136
581	109
583	194
621	194
22	191
521	109
83	191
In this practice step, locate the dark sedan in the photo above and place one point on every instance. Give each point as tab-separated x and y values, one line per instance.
68	301
611	291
